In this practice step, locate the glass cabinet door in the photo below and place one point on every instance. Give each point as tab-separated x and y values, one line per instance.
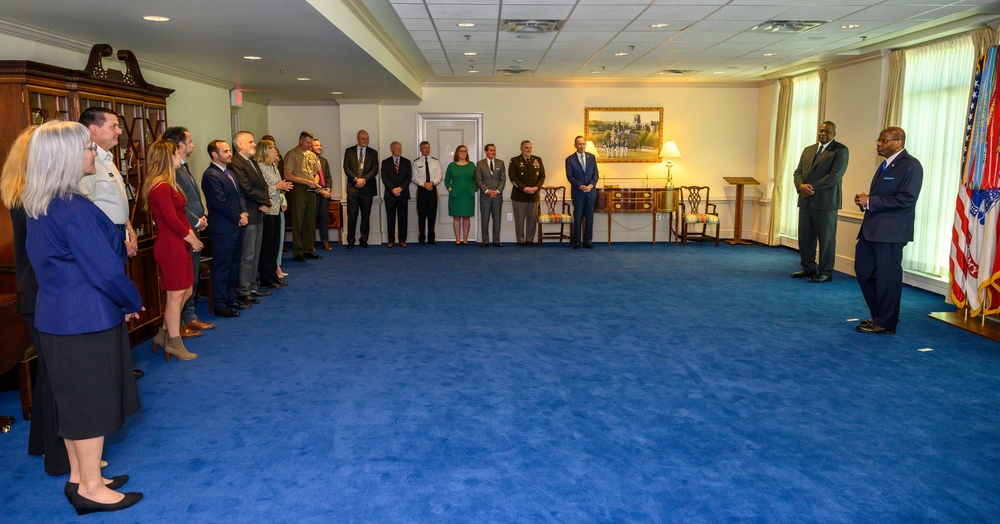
47	104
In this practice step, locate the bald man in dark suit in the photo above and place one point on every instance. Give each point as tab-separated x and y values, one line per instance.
360	168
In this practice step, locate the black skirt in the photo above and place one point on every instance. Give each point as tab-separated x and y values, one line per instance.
92	381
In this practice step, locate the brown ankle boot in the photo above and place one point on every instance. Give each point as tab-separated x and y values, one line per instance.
160	338
175	347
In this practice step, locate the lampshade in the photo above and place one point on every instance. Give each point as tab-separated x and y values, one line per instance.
591	148
670	150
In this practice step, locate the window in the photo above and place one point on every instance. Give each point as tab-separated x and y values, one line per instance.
802	125
934	106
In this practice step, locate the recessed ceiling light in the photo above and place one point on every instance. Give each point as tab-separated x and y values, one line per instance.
473	71
850	26
153	18
595	72
470	53
251	57
336	92
769	54
658	26
466	24
518	60
719	73
303	78
621	54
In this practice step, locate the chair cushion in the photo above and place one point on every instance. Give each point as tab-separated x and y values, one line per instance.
701	218
554	218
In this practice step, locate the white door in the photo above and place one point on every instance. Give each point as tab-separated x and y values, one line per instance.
445	132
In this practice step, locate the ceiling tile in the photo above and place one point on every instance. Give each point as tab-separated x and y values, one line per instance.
645	36
820	12
418	24
574	25
618	12
660	13
410	10
557	12
747	13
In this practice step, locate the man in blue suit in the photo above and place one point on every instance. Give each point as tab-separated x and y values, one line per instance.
228	214
889	209
581	170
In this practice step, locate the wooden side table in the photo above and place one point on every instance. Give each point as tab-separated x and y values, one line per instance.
739	182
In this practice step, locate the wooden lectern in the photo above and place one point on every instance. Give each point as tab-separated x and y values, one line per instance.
739	182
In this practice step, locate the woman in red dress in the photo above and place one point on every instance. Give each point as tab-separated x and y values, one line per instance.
174	242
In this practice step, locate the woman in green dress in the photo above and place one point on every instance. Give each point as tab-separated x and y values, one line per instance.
460	179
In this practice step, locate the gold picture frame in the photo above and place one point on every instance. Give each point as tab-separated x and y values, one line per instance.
625	134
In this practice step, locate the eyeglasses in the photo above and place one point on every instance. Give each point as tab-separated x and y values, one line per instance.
886	140
91	147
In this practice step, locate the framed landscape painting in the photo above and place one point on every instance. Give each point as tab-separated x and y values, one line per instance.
625	134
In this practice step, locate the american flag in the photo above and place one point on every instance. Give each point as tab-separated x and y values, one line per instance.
975	268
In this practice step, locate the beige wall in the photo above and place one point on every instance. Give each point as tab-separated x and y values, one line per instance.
286	120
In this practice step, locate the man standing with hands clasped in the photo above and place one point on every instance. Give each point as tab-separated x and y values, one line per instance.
361	168
581	171
887	226
527	174
491	176
427	174
817	180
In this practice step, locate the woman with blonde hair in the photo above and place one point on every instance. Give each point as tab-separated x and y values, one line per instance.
84	300
267	158
174	241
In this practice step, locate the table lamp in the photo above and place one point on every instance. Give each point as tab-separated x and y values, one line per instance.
669	151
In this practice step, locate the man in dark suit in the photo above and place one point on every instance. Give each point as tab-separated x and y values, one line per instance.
361	168
254	189
323	197
889	209
581	171
396	176
527	174
491	176
817	180
195	211
227	210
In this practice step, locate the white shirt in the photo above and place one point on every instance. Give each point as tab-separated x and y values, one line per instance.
420	175
106	188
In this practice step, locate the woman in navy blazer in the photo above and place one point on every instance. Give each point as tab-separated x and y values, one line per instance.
84	298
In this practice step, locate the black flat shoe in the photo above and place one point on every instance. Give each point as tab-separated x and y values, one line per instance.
819	279
240	305
86	506
138	373
116	483
226	313
588	246
247	299
364	243
803	273
497	244
301	258
270	285
259	293
312	255
867	322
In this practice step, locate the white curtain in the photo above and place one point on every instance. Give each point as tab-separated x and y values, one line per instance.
935	100
802	126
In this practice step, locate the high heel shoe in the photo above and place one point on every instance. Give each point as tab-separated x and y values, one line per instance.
160	338
86	506
175	347
71	488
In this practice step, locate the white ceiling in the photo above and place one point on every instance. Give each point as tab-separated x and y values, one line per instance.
207	39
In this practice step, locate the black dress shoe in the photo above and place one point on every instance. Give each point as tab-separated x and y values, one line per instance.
484	244
312	255
240	305
138	373
364	243
432	242
259	293
281	283
86	506
819	279
350	245
116	483
247	299
497	244
802	273
867	322
588	246
270	285
300	258
875	330
575	246
226	313
420	242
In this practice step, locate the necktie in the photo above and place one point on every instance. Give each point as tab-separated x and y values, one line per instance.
186	168
427	172
883	166
491	166
583	161
322	179
228	174
361	157
396	161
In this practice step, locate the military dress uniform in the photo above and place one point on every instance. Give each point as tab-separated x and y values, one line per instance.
525	172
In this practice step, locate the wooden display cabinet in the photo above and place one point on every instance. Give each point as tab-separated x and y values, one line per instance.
32	93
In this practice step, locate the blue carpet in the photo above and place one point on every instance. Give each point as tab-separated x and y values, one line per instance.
631	383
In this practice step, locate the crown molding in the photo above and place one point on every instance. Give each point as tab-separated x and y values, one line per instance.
43	36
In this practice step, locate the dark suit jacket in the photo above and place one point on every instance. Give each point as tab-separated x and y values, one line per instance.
253	186
825	175
892	201
225	202
368	171
391	179
578	176
324	164
487	180
195	209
